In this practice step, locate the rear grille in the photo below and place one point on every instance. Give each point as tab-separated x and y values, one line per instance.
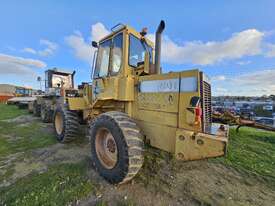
205	101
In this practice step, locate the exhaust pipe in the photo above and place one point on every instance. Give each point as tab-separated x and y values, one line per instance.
158	46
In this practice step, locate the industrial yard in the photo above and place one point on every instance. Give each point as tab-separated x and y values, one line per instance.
137	103
37	170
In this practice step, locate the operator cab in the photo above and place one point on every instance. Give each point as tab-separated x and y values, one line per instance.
55	80
123	52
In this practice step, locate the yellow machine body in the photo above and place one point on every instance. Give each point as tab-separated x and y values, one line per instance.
161	104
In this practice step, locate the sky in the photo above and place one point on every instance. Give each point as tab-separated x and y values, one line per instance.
232	41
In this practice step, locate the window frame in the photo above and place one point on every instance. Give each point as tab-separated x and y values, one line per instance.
111	72
99	77
129	47
110	62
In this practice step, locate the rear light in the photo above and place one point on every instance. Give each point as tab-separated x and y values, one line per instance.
198	111
198	114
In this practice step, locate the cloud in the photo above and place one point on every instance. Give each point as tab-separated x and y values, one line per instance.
21	61
82	48
259	78
243	62
245	43
249	84
29	50
218	78
220	91
50	48
248	42
98	31
18	65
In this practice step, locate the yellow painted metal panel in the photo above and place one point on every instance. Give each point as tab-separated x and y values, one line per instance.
171	75
157	117
77	103
108	88
184	102
167	102
194	146
162	137
126	89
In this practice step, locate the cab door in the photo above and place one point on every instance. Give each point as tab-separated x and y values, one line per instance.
108	66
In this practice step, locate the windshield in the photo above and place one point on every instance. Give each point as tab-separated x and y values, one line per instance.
137	51
61	80
103	57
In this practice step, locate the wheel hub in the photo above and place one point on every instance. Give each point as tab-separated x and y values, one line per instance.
106	148
111	146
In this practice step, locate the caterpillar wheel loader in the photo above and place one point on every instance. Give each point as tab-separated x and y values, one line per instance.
58	86
130	102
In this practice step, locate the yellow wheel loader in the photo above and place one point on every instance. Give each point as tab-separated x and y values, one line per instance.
130	102
58	86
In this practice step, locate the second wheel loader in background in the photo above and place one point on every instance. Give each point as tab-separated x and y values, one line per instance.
58	86
130	102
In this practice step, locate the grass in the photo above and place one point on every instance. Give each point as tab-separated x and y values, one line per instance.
10	111
252	150
16	137
60	185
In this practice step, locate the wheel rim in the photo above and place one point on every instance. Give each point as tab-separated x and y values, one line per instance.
106	148
58	122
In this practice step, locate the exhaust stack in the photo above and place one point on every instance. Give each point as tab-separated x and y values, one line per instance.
158	46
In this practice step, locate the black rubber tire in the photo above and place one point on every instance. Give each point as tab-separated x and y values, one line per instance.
46	113
71	124
129	143
30	107
36	109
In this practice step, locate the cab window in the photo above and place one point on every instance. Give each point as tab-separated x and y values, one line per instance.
103	57
117	53
137	49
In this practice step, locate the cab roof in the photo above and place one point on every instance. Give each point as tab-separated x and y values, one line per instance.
59	71
129	30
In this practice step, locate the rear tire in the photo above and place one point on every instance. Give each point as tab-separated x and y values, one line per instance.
66	124
128	142
46	113
36	109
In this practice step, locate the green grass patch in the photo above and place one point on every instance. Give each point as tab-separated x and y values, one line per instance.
60	185
10	111
19	138
253	151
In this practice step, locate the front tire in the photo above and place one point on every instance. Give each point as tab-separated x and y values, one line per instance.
66	124
117	147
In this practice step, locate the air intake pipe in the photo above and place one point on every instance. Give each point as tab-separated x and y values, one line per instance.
158	46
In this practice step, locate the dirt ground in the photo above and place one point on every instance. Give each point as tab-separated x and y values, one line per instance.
162	180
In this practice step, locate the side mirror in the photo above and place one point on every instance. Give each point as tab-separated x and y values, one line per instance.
147	63
95	44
